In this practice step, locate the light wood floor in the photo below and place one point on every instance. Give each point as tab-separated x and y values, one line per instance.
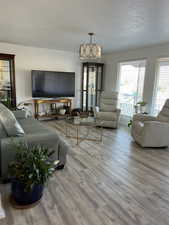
110	183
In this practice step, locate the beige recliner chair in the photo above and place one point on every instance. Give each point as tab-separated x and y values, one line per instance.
108	112
149	131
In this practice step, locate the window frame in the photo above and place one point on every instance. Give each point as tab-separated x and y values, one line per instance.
156	81
119	75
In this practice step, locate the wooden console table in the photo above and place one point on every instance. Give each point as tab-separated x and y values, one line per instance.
37	102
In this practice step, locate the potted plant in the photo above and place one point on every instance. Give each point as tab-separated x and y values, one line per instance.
130	123
30	171
142	105
136	108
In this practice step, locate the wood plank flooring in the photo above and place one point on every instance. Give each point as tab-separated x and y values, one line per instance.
110	183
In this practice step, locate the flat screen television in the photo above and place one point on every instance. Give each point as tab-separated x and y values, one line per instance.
50	84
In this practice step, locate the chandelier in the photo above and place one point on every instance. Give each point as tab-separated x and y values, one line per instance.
90	50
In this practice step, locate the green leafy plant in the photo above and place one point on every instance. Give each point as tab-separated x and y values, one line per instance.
129	123
142	103
32	165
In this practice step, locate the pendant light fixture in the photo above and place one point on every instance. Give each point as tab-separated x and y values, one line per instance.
90	50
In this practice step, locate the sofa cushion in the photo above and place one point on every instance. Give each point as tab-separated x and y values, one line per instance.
20	114
108	102
32	126
9	122
108	107
107	116
109	95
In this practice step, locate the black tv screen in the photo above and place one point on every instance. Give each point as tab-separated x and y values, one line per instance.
51	84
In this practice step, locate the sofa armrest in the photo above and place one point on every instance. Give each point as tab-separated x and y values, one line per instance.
52	141
156	129
143	117
118	111
156	125
155	134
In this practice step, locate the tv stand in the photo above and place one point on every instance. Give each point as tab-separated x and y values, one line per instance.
38	101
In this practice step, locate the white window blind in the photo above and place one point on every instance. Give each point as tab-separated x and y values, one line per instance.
131	82
161	92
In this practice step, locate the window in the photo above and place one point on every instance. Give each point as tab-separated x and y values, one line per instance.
131	82
161	92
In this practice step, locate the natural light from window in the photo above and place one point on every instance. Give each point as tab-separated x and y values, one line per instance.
131	82
161	92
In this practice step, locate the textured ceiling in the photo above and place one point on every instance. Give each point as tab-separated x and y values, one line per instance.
64	24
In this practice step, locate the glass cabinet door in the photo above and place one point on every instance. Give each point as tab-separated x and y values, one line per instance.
7	81
84	87
99	84
5	84
92	74
91	87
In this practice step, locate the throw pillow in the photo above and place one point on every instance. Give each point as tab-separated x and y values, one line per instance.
9	122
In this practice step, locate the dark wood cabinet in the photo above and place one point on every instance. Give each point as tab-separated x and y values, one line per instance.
7	80
92	85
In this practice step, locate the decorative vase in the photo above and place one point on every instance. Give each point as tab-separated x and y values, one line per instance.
136	108
23	197
142	109
62	111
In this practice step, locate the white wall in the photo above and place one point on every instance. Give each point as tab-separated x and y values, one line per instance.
29	58
151	54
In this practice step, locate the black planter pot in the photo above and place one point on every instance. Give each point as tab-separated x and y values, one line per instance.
23	197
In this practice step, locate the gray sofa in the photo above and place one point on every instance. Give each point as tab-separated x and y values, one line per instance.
34	133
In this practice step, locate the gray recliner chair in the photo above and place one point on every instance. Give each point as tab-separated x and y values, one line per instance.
108	112
150	131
